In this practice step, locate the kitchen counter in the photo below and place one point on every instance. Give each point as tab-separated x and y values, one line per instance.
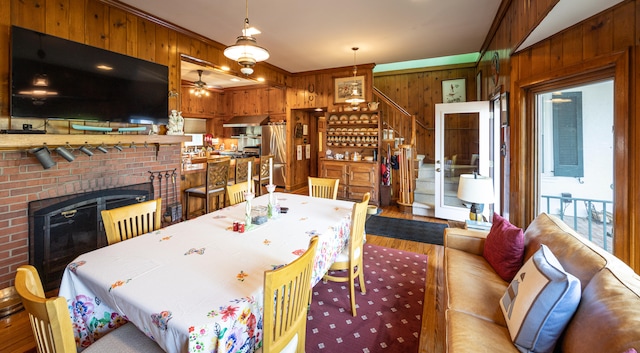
198	164
194	174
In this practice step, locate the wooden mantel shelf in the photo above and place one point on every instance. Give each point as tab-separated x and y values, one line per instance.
27	141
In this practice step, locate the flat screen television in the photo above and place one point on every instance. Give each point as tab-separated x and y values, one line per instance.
55	78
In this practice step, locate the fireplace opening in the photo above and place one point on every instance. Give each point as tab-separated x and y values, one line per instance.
62	228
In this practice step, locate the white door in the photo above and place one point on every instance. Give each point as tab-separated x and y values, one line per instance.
462	147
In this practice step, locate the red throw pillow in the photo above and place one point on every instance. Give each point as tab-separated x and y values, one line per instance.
504	248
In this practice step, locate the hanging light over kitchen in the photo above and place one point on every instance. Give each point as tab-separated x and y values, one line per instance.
246	51
356	97
200	88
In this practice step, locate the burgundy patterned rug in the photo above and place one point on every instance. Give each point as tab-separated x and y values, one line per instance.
389	315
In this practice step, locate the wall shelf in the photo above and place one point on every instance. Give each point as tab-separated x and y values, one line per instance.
26	141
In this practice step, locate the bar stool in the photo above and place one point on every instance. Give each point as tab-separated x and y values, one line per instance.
241	170
215	185
262	177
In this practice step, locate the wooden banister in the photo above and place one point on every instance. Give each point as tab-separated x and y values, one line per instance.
383	97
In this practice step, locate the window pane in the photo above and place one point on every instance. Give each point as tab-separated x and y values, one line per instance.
576	158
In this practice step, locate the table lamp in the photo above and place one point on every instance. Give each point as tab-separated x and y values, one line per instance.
477	190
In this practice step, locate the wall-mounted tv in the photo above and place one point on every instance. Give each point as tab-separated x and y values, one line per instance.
55	78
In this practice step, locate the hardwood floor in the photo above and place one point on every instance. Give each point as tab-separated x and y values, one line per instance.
432	333
16	336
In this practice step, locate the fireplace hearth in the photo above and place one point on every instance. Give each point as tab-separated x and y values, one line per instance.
62	228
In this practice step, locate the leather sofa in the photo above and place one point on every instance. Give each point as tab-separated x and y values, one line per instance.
607	318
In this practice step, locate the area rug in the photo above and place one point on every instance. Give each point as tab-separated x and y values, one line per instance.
407	229
389	314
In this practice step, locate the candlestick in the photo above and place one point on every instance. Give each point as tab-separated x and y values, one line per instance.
247	210
249	178
271	205
270	171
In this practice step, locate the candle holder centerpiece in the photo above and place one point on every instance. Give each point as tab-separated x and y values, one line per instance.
272	211
248	196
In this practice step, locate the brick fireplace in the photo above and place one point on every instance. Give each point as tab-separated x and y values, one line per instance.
22	180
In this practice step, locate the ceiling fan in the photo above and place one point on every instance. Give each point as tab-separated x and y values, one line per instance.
200	88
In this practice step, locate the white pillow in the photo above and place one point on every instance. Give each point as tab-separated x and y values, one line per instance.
539	302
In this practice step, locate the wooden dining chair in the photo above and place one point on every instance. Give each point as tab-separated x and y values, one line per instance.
235	192
126	222
323	187
286	298
215	185
241	170
351	258
51	322
262	177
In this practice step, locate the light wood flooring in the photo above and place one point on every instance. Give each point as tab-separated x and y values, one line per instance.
16	336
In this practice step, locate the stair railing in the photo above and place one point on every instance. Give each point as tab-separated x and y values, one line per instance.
406	155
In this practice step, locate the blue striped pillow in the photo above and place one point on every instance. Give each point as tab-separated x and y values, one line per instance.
539	302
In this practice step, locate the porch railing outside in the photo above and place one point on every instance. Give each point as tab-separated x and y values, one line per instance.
597	226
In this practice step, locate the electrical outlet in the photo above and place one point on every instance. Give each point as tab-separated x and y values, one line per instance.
27	126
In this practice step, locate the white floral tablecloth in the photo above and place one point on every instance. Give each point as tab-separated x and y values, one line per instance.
197	286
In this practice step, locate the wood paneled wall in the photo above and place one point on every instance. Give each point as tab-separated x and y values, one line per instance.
314	89
419	92
111	25
597	43
607	41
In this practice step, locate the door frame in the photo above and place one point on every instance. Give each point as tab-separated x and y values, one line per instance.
523	201
441	210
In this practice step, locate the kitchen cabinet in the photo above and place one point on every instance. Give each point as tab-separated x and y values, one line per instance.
257	101
276	100
205	106
356	178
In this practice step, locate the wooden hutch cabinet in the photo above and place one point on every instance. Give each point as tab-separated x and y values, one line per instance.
350	134
356	178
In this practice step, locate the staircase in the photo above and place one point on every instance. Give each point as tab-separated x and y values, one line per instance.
424	194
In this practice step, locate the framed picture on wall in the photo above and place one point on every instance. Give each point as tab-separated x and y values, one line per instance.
454	91
343	86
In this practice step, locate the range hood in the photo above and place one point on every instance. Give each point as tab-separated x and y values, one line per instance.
247	120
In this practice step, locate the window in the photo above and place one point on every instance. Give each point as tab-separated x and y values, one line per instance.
575	151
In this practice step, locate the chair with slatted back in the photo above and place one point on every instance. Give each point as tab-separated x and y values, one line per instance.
241	169
287	291
51	322
323	187
262	176
235	192
216	178
351	258
126	222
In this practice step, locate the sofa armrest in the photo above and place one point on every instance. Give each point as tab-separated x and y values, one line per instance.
469	240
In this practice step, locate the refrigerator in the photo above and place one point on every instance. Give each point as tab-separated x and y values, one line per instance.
274	141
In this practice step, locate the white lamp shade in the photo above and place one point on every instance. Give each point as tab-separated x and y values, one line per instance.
246	47
475	189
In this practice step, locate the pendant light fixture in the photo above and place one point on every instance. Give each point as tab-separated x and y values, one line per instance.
200	87
246	51
356	97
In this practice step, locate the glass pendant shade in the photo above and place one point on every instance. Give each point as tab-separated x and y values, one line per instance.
355	97
246	47
246	51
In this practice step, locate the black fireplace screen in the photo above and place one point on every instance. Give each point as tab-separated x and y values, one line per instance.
62	228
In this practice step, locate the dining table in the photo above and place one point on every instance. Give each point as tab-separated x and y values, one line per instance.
198	285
